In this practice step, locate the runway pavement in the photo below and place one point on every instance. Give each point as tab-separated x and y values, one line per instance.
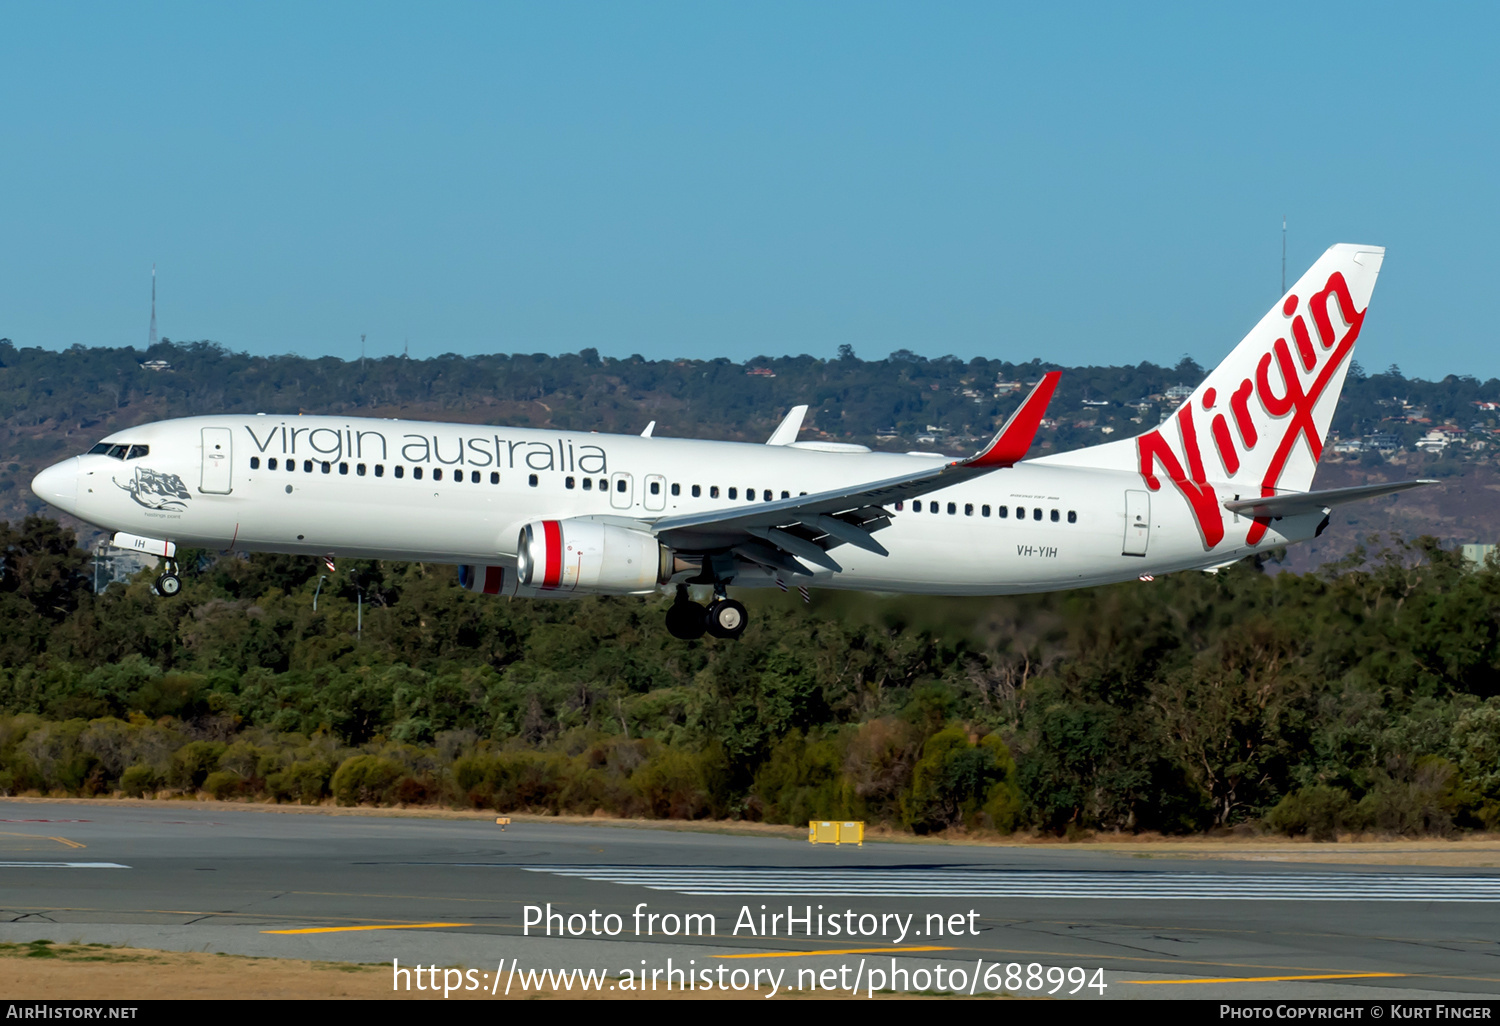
462	893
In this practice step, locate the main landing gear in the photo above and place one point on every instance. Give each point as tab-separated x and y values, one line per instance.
724	618
168	585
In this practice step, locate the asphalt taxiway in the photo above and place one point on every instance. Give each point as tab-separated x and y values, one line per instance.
448	892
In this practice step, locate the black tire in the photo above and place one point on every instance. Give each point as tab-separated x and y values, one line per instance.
685	621
168	585
727	619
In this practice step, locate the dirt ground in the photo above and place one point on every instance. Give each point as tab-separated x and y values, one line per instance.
43	971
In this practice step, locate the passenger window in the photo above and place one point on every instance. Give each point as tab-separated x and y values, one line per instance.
984	510
968	509
768	496
952	508
416	473
655	487
531	480
1036	514
734	493
1072	516
620	485
713	491
568	483
380	470
254	462
1002	512
1055	516
677	489
437	473
360	469
271	463
400	470
495	477
932	507
900	505
307	466
344	469
916	506
604	484
786	494
588	484
697	491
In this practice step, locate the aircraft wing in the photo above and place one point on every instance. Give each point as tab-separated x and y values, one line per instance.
778	533
1293	503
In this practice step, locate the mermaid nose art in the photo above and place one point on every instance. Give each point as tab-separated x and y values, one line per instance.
58	485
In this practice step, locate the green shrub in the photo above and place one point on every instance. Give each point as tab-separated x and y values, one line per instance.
366	779
1318	812
137	780
304	781
223	784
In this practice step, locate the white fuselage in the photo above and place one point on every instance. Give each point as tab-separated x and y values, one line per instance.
461	493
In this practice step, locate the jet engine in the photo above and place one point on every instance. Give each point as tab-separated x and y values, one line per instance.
489	579
587	556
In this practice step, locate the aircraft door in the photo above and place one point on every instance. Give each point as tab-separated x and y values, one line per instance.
621	491
1137	523
218	461
656	492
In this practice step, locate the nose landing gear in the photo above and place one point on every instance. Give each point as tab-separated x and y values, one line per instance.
168	585
724	618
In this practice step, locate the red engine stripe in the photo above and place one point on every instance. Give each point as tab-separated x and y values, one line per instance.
494	576
552	531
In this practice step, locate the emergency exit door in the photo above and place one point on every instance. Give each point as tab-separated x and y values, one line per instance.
1137	523
218	461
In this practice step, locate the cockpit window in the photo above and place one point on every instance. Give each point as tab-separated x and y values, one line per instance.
120	452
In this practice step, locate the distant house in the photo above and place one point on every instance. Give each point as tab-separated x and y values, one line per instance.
156	365
761	372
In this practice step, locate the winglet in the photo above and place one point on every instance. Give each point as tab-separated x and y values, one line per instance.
786	433
1014	440
649	428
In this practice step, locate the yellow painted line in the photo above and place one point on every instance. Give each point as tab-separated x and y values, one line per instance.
1273	979
60	840
850	951
351	929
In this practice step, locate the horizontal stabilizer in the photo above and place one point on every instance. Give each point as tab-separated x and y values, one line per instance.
1014	439
1291	504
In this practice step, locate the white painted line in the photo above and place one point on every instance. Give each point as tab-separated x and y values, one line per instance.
62	865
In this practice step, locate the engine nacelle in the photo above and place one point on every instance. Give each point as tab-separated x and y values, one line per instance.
587	556
501	580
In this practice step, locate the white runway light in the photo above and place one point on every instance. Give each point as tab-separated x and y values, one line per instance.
62	865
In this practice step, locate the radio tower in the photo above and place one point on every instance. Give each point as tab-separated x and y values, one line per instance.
152	340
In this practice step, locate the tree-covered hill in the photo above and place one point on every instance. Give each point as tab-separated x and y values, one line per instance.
53	404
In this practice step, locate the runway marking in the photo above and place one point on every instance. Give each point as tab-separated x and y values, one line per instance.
1271	979
917	882
60	840
848	951
353	929
62	865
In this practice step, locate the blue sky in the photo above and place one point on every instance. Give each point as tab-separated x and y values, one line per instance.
1084	183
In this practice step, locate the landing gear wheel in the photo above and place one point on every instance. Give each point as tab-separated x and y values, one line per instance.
168	585
685	618
727	619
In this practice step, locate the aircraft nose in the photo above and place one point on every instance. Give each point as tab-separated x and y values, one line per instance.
58	485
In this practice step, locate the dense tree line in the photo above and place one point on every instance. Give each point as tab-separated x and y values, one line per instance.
1366	696
53	404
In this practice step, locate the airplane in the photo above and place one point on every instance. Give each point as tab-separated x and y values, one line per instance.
538	513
